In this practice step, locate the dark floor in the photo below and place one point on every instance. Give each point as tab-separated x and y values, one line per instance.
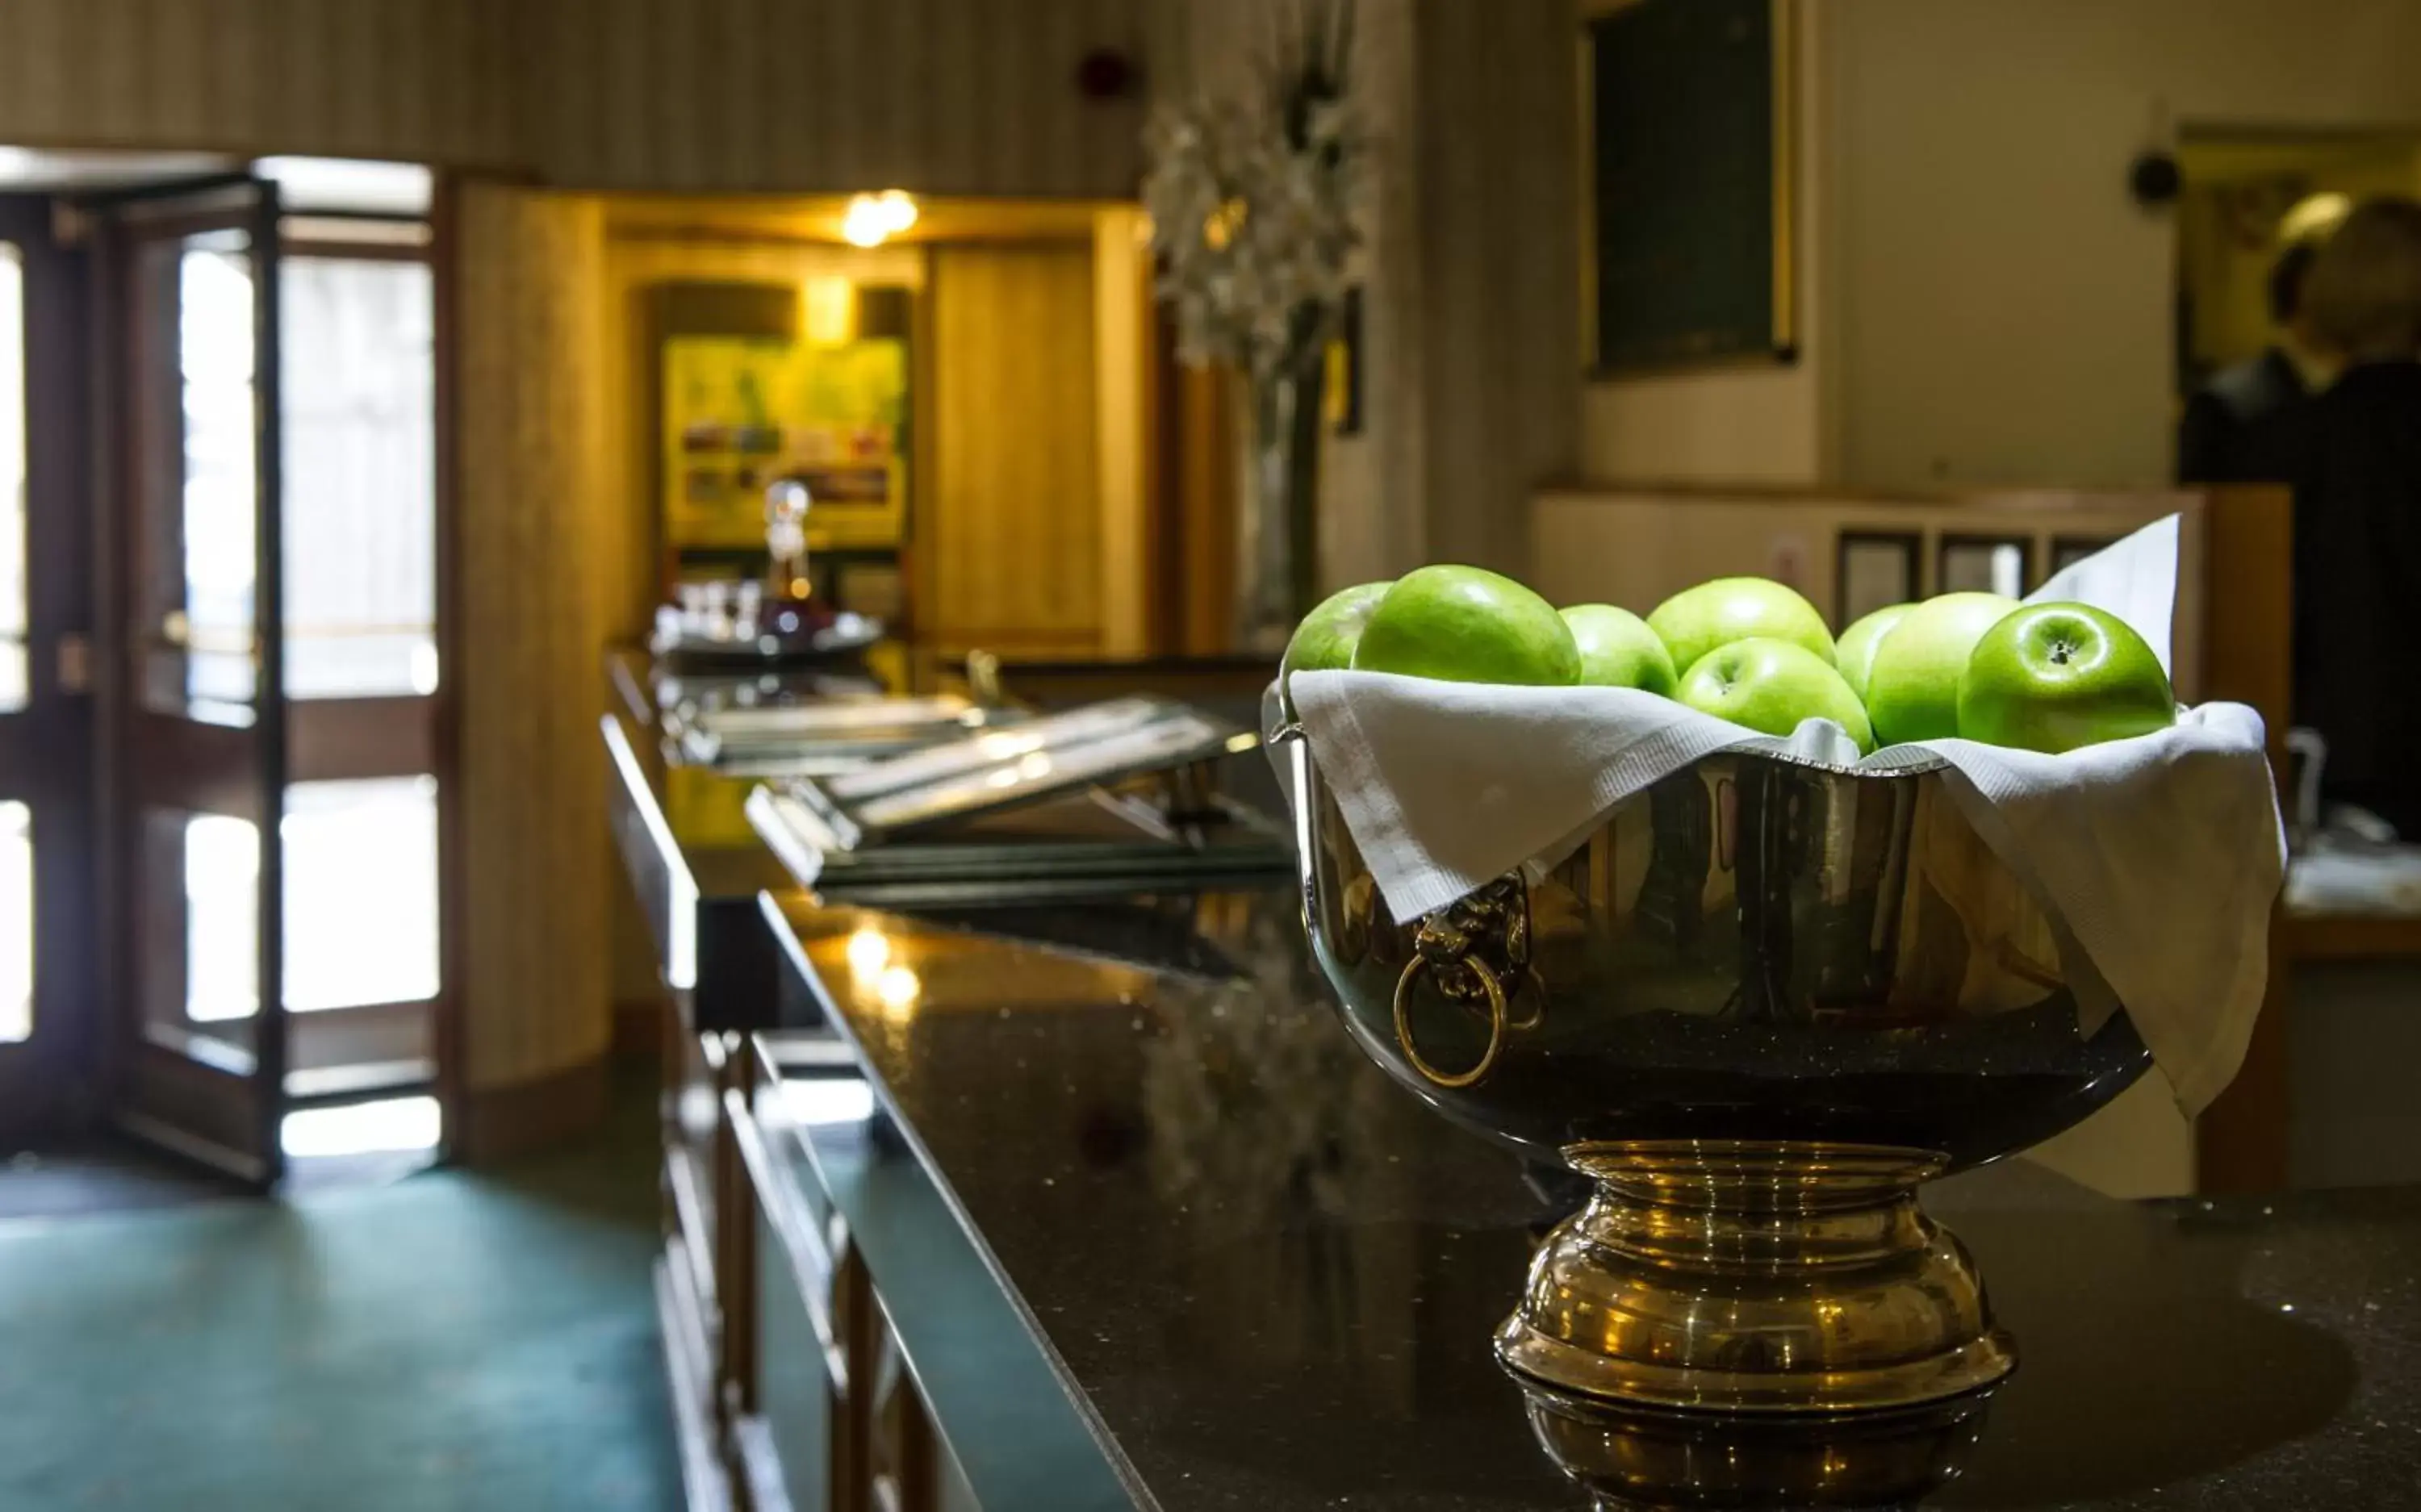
451	1341
101	1173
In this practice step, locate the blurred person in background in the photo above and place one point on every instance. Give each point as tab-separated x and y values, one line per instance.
2353	455
2237	402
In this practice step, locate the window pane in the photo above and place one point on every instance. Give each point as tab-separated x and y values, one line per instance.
16	922
222	918
392	1124
214	345
360	900
360	481
361	892
12	480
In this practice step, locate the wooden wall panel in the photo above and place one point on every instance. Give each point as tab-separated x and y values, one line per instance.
532	553
1124	386
424	80
1011	525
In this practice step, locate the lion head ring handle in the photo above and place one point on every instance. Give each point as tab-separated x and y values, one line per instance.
1469	949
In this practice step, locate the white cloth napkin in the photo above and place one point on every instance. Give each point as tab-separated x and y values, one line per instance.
2160	854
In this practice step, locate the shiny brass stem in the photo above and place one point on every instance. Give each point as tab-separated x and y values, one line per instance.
1748	1276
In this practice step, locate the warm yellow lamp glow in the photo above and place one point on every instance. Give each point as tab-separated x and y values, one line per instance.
874	219
896	990
828	310
2314	217
869	951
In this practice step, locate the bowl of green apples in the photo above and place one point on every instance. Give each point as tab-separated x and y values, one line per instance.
1758	996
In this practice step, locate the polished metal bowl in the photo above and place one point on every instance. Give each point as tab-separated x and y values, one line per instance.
1759	1004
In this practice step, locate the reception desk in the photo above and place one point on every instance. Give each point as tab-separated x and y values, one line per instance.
987	1203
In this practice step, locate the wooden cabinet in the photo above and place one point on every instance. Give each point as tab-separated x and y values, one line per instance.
792	1387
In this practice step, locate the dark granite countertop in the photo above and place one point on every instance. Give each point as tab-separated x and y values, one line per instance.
1267	1277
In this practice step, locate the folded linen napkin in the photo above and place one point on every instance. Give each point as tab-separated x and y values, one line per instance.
2160	854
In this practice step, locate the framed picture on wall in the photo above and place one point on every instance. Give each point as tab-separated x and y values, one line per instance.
1873	570
1690	152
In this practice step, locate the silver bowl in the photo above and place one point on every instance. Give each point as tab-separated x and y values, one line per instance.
1759	1004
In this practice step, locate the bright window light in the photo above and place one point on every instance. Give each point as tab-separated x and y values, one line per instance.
360	900
222	918
12	477
348	184
391	1125
16	924
361	493
822	1101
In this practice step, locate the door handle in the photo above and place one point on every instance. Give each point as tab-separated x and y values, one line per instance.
75	664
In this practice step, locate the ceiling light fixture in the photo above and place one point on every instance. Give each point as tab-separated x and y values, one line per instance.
874	219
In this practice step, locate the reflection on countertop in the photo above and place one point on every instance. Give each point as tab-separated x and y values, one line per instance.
1270	1276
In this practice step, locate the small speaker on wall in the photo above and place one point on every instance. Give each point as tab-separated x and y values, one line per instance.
1106	73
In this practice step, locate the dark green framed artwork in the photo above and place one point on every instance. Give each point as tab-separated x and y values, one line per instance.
1688	138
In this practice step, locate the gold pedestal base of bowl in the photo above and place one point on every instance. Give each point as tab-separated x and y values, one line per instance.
1746	1277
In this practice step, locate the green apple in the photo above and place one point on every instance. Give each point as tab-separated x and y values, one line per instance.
1466	624
1326	639
2053	677
1912	681
1854	654
1772	685
1618	650
1719	611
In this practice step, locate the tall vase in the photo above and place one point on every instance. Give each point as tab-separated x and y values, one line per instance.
1277	519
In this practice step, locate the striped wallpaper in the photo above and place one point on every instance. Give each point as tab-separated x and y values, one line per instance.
938	96
531	568
407	79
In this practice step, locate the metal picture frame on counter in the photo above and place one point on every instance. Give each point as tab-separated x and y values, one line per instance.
1873	570
1043	759
828	737
1984	564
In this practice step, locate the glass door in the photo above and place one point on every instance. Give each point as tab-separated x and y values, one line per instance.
194	706
45	811
362	959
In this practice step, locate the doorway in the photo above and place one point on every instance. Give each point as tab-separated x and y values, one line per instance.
2244	187
219	622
